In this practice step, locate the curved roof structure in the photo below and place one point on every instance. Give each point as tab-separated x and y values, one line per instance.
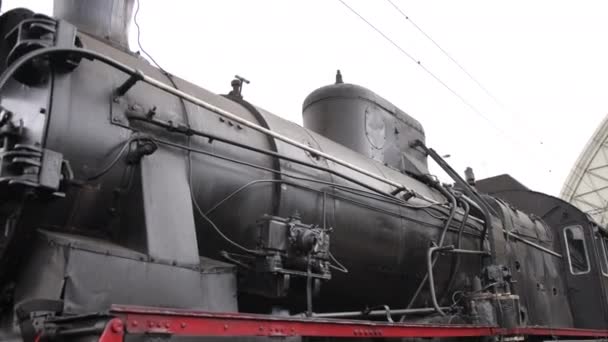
587	184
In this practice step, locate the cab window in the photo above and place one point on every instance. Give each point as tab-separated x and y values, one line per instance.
602	245
576	249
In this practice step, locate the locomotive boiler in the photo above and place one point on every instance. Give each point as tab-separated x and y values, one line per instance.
123	184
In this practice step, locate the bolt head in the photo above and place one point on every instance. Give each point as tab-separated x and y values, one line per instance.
117	327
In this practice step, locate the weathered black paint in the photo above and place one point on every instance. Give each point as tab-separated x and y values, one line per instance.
582	297
126	231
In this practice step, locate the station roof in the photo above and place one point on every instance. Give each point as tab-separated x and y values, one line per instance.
587	184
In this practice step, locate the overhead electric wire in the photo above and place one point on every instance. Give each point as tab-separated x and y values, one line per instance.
428	71
202	214
460	66
189	151
380	32
141	48
515	115
516	141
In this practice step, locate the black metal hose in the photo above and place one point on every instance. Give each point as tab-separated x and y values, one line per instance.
487	222
453	207
386	311
430	263
481	203
456	263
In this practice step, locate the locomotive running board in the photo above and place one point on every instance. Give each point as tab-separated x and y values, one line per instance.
132	320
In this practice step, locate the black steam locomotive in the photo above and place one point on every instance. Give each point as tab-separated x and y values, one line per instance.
121	184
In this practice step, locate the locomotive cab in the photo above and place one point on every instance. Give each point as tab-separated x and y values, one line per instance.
580	243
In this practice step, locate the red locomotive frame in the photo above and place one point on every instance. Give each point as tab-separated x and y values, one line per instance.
175	322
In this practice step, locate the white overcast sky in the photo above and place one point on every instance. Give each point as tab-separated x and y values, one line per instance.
545	61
